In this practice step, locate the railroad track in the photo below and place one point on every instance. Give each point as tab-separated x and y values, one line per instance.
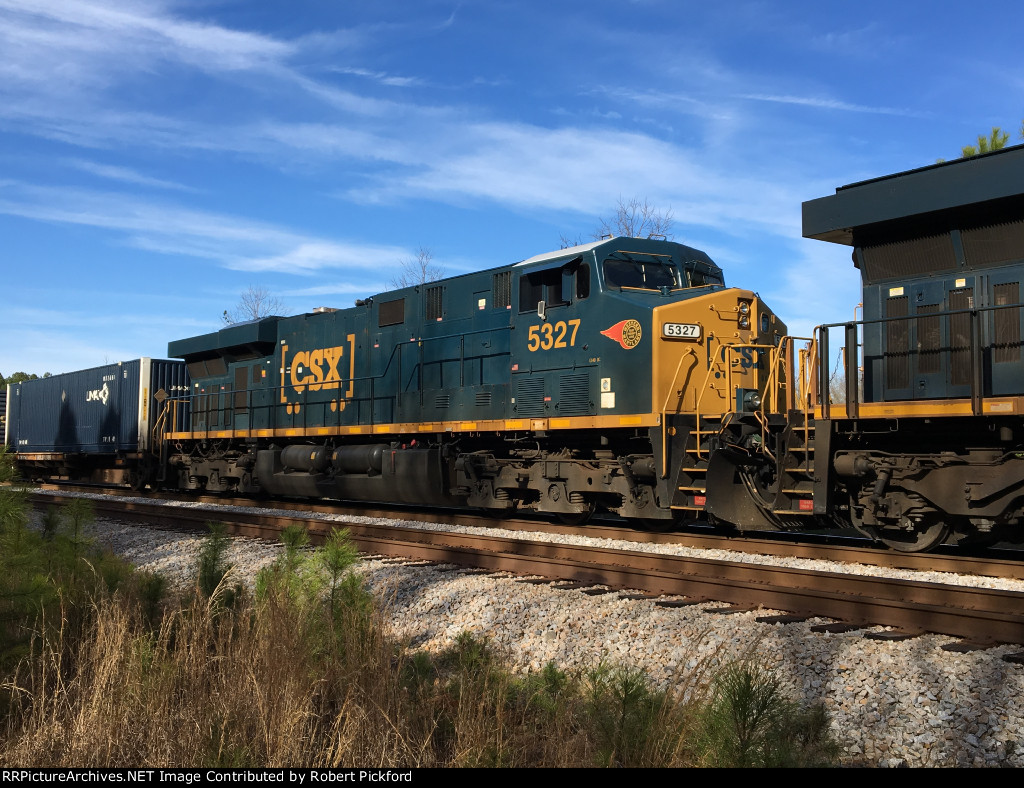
819	547
982	617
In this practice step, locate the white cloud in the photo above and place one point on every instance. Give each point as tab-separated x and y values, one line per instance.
124	174
310	256
234	242
819	102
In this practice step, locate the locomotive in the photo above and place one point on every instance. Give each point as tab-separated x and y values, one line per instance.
927	446
515	388
624	376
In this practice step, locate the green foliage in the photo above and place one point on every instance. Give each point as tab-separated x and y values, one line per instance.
750	722
212	564
48	578
293	573
51	521
20	377
337	556
548	689
13	510
625	713
996	140
8	470
79	512
151	590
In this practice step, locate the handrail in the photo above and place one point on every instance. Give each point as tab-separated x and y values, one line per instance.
664	409
973	346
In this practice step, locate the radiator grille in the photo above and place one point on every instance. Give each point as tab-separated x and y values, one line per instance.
929	340
908	258
897	345
1006	348
960	336
993	245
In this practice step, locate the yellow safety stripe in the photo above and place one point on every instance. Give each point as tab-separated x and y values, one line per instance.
405	428
1003	406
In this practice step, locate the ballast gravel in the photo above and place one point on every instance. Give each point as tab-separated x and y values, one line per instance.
892	703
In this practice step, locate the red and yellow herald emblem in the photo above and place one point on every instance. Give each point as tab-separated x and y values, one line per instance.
626	332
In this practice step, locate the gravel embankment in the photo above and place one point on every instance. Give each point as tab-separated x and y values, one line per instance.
891	703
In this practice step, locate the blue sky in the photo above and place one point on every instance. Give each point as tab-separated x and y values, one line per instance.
157	157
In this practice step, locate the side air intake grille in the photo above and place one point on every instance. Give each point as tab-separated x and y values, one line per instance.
501	295
530	397
574	395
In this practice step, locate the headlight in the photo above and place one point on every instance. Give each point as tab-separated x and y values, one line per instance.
744	308
744	321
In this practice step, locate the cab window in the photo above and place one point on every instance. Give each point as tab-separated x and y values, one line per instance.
646	275
701	277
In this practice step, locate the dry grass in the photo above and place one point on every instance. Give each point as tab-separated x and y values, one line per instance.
307	674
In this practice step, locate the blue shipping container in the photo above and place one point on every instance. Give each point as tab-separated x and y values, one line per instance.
104	410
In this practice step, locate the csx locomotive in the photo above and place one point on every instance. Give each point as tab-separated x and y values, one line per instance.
563	384
625	376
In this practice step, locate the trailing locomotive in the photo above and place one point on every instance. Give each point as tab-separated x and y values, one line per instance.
625	376
930	446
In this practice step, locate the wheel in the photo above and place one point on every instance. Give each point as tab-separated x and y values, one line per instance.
577	518
925	537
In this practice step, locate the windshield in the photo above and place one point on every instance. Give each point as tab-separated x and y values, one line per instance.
699	277
634	273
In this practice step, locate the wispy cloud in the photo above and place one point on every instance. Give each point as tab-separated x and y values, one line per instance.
234	242
379	76
124	174
337	289
145	28
818	102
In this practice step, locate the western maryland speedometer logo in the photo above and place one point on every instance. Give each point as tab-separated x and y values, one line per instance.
626	332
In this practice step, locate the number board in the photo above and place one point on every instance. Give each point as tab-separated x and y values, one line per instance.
680	330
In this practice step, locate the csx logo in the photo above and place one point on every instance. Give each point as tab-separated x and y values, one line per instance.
316	369
320	369
748	358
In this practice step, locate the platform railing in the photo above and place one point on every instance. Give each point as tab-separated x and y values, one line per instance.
970	344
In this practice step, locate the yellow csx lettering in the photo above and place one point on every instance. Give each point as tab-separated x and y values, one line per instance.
317	369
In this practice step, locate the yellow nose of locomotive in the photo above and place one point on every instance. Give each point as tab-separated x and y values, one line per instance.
716	354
